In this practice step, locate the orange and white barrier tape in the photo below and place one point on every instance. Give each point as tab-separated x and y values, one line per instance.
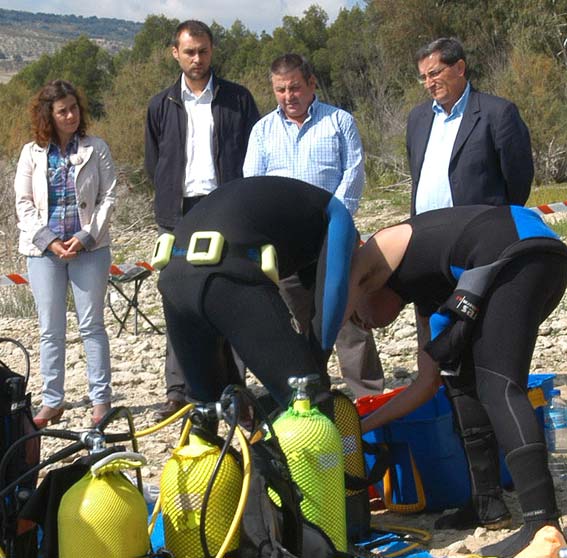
548	208
14	279
115	269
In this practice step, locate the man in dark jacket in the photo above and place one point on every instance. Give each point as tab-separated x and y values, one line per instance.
196	138
466	147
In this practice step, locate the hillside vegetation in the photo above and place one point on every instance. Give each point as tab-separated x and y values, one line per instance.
24	36
363	61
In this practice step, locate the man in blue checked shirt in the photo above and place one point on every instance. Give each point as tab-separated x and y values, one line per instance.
306	139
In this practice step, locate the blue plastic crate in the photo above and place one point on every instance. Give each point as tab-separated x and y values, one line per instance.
429	436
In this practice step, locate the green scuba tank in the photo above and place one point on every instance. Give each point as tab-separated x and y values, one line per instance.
183	485
313	448
104	514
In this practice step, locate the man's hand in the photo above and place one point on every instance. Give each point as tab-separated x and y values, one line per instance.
357	321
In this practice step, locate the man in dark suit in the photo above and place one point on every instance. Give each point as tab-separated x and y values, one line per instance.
466	148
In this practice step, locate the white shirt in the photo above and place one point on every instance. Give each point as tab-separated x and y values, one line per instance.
433	188
200	176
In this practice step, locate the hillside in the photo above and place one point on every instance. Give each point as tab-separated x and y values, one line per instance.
25	36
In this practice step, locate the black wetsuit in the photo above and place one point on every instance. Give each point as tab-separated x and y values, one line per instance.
489	395
312	234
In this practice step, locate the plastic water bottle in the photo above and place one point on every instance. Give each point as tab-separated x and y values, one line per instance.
555	421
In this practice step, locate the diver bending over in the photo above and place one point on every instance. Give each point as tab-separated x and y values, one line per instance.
220	281
486	277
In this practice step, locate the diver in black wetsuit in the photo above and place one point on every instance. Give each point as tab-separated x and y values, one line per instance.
486	278
219	280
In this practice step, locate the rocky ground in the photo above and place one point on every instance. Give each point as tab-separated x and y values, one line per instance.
138	383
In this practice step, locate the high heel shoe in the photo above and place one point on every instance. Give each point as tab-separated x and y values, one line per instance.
47	415
99	411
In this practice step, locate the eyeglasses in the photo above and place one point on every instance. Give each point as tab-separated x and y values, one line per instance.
432	74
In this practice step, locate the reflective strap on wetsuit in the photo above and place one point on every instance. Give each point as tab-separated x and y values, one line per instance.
210	248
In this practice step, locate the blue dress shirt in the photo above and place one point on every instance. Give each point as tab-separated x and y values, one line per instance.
434	189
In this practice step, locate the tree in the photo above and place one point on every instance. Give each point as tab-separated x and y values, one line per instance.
126	104
35	75
156	33
236	50
81	62
542	100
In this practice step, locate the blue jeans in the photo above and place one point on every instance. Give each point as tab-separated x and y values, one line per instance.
88	275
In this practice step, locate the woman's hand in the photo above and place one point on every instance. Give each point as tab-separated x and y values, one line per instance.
66	250
73	245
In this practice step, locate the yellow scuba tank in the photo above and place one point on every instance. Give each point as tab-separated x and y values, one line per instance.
104	514
183	485
344	415
313	448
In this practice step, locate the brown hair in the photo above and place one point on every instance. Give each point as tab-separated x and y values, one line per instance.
193	27
41	110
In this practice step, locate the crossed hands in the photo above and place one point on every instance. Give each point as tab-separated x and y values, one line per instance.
66	250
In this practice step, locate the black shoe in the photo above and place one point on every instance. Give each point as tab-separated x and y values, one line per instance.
170	407
467	518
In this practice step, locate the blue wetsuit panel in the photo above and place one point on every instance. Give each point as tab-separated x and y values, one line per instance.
341	237
456	271
438	322
529	224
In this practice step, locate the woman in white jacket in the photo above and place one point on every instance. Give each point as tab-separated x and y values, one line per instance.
65	191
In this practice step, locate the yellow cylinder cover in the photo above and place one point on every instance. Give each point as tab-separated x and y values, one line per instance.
183	484
313	449
103	516
347	422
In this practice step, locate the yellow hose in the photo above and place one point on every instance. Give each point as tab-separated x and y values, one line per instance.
152	429
418	483
246	470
